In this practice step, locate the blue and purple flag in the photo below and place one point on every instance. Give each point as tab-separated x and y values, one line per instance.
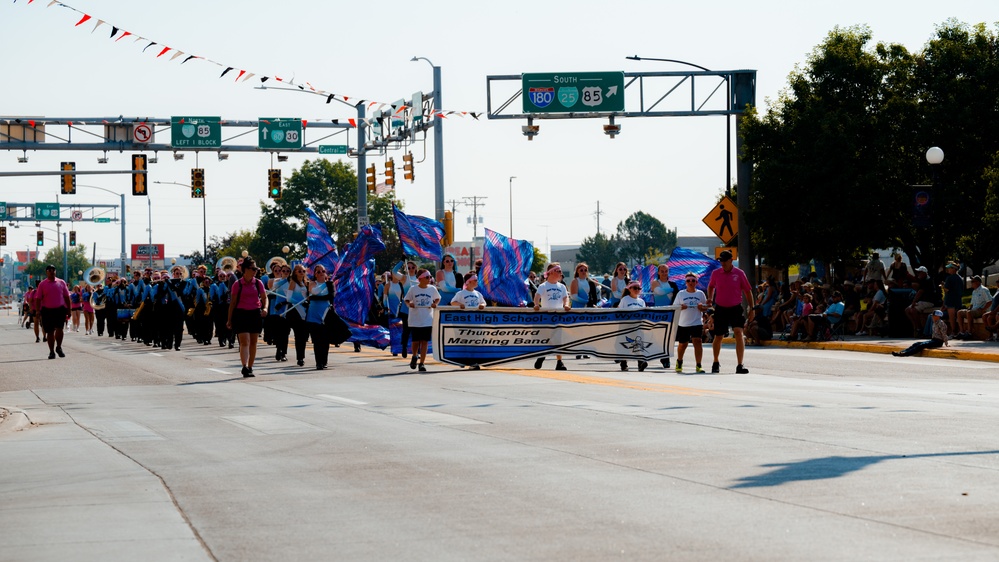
354	292
365	334
683	261
506	263
644	274
420	236
322	250
364	247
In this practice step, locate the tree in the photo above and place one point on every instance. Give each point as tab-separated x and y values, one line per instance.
329	189
642	234
540	261
76	260
599	252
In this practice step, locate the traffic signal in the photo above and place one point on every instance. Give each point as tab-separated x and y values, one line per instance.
139	174
407	166
197	183
372	179
72	238
274	183
390	173
3	235
39	238
68	181
448	229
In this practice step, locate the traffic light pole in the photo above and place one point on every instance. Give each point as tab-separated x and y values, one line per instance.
362	166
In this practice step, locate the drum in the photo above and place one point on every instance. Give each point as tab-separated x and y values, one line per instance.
125	314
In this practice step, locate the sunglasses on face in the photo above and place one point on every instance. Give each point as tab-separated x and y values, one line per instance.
556	270
691	280
448	261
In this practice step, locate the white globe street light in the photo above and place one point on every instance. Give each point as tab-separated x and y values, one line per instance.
935	155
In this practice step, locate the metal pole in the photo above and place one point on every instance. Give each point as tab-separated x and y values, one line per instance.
204	229
65	258
438	147
149	249
511	204
362	164
121	270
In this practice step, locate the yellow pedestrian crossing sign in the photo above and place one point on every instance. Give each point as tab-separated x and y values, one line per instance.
723	220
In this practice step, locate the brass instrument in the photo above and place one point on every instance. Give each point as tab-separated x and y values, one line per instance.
184	273
276	259
208	308
226	264
135	315
94	276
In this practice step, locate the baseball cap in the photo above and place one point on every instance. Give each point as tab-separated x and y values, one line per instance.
950	265
937	313
922	268
725	255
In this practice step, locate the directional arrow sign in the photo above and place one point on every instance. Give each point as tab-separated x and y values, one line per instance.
46	211
573	92
196	132
279	133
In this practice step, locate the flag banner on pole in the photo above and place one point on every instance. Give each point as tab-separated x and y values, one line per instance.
683	261
354	292
364	247
506	263
322	250
420	236
374	336
501	335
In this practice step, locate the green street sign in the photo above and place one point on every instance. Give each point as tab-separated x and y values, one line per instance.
102	219
46	211
279	133
332	149
196	132
573	92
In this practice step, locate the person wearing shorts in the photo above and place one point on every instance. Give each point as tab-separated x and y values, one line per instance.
690	325
246	313
726	291
52	300
421	299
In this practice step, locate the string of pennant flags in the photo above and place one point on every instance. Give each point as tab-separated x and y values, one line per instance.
161	49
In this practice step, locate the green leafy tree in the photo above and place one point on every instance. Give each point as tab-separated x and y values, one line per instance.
76	259
540	261
237	242
640	235
599	252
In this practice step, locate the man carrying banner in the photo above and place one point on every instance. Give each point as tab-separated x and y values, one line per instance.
726	290
552	295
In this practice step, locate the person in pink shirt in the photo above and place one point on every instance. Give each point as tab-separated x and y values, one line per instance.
726	290
52	300
247	310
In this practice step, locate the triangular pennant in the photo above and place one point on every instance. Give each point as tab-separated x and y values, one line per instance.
99	23
353	122
188	58
149	45
52	2
114	31
264	79
123	35
163	52
305	124
241	73
226	71
82	20
329	99
176	54
248	76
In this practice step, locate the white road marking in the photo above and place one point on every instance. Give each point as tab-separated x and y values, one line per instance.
341	399
156	354
220	371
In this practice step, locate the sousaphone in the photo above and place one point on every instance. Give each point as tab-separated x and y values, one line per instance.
184	273
275	260
226	264
94	276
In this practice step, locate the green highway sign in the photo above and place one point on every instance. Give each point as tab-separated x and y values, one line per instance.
46	211
3	210
102	219
279	134
332	149
196	132
573	92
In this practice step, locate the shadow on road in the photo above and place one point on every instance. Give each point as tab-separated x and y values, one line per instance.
829	467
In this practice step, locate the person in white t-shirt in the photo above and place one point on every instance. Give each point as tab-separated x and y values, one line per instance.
552	295
468	297
692	303
421	300
631	298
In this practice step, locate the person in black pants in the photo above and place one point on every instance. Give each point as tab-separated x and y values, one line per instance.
298	291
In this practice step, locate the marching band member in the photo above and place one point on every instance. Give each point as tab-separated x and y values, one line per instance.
297	292
278	321
219	297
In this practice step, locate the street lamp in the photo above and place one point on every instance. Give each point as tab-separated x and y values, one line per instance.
438	142
935	155
511	204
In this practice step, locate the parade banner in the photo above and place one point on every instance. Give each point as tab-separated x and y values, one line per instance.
501	335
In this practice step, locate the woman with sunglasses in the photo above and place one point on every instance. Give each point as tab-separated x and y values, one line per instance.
618	283
552	295
323	323
277	321
693	303
246	312
449	280
663	293
633	299
582	289
297	292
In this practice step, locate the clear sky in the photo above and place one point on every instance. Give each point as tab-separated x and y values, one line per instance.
672	168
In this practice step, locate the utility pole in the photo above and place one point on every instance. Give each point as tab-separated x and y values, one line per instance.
475	204
597	214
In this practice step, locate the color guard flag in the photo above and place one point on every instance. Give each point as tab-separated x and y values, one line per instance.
364	247
683	261
420	236
644	274
506	263
354	292
322	251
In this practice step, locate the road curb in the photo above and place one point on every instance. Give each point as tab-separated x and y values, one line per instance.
14	421
884	348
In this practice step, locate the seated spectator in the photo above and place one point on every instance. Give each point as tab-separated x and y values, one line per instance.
758	330
926	300
874	315
833	314
799	322
938	339
991	318
981	298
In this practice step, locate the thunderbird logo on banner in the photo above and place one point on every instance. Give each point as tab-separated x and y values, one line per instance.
501	335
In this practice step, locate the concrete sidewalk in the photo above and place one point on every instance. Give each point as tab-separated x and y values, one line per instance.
958	349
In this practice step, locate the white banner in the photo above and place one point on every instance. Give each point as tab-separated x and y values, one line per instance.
501	335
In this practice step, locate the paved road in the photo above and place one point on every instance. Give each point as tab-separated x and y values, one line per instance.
816	454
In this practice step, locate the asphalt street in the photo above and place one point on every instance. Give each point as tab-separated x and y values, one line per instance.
122	452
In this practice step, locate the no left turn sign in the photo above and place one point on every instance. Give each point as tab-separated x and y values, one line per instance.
142	133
